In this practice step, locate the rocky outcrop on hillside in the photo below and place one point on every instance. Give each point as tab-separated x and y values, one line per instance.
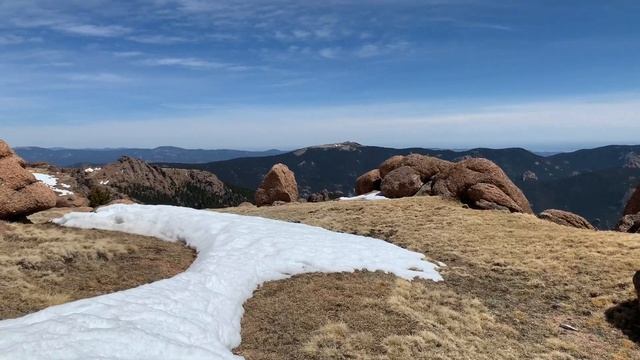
20	193
401	182
479	183
324	195
629	224
529	176
632	160
636	284
62	182
633	205
279	185
566	218
630	221
368	182
134	179
425	166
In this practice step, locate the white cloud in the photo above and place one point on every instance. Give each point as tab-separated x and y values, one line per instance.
11	39
16	39
93	30
184	62
127	54
193	63
329	52
158	39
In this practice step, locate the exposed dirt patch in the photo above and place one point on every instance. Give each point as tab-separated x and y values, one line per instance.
526	276
45	265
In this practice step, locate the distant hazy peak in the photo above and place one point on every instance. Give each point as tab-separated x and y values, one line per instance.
343	146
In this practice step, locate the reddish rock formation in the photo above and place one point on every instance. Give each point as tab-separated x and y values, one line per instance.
566	218
481	184
426	166
278	185
368	182
20	193
401	182
490	197
71	201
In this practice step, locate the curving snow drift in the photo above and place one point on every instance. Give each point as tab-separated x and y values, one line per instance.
196	314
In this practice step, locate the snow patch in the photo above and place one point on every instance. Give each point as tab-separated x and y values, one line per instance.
196	314
374	195
52	182
104	182
90	170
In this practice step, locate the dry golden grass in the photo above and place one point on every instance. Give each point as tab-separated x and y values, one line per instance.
511	280
45	265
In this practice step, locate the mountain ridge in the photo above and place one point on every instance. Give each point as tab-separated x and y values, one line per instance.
332	168
64	157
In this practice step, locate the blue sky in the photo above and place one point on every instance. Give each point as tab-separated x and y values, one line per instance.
262	74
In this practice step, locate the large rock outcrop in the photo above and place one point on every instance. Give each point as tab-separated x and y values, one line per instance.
426	166
401	182
566	218
481	184
476	182
278	185
368	182
131	178
20	193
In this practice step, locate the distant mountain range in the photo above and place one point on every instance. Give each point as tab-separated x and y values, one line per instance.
594	183
77	157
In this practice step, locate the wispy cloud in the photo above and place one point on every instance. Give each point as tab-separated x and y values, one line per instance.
158	39
374	50
127	54
10	39
330	52
93	30
15	39
193	63
109	78
463	23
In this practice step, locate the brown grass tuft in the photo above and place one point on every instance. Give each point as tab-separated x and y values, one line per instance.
45	265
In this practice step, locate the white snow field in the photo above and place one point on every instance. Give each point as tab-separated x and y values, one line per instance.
196	314
375	195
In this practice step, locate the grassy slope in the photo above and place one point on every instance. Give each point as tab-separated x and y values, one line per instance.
45	265
511	281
